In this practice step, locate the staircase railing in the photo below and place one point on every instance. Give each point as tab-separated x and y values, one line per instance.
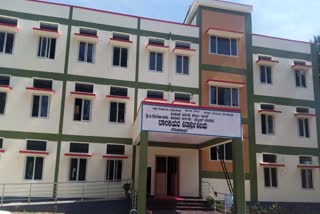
226	175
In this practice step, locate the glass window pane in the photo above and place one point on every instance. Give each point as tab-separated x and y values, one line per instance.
161	164
36	145
306	127
86	109
223	46
79	147
229	151
185	65
263	124
303	178
213	95
90	52
73	169
274	178
213	155
116	56
213	44
9	44
121	112
113	112
43	46
301	128
270	124
124	57
235	97
268	74
221	155
35	106
38	168
152	61
234	48
82	46
298	78
224	96
119	169
110	170
29	168
262	74
2	37
52	48
303	79
179	65
82	170
309	178
266	177
77	109
44	106
115	149
159	61
3	98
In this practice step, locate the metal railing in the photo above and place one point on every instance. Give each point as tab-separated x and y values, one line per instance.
223	201
36	192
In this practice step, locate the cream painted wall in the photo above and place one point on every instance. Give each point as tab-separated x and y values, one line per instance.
102	66
189	168
285	123
283	81
26	44
18	108
289	182
99	124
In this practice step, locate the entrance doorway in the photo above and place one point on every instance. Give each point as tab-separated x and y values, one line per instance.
167	176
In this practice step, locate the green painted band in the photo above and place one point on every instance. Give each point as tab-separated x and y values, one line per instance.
172	145
220	175
286	150
212	142
281	53
217	68
283	101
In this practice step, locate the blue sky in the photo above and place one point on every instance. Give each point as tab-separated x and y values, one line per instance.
292	19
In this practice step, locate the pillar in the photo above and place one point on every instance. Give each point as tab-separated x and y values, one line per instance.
143	162
238	176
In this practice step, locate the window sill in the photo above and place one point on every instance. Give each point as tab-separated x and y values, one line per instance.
2	151
301	67
115	97
154	47
9	28
78	154
33	152
266	111
186	103
224	83
115	156
222	55
304	115
5	88
266	62
225	108
83	94
306	166
225	33
46	32
155	100
121	42
184	51
86	37
40	90
264	164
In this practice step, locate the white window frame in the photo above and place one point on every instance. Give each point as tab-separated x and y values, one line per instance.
47	48
231	106
78	169
270	178
300	79
119	66
86	52
82	109
34	168
124	119
266	74
304	127
115	170
224	155
267	129
5	105
212	53
182	65
40	106
5	42
156	60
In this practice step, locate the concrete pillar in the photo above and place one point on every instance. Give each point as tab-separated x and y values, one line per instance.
238	176
143	163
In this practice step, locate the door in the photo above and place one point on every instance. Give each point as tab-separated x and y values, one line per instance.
167	176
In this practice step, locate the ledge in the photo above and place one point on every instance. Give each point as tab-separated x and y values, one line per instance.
269	111
225	33
301	67
272	164
2	151
186	51
304	115
46	32
9	28
78	154
225	108
267	62
181	102
120	42
115	156
5	88
33	152
154	47
155	100
86	37
40	90
225	83
308	166
83	94
115	97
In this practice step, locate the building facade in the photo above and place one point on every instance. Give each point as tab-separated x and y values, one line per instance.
72	81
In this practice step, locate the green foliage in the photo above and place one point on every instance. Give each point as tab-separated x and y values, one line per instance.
211	201
273	209
126	187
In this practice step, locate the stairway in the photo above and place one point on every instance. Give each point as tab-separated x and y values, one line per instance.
177	204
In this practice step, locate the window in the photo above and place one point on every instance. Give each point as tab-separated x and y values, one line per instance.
182	66
221	152
34	167
301	78
81	87
3	98
4	80
155	61
47	47
88	31
117	112
306	174
79	147
155	94
118	91
267	125
45	84
270	174
48	26
82	109
224	96
1	143
36	145
299	62
303	124
121	36
156	42
115	149
86	52
120	57
8	21
78	167
302	110
40	106
114	170
6	42
182	97
183	45
223	46
265	74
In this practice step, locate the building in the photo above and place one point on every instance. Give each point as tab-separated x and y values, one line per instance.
74	80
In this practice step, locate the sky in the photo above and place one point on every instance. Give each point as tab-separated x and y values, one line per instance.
291	19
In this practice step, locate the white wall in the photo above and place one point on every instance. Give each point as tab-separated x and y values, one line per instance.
18	108
286	129
283	81
289	182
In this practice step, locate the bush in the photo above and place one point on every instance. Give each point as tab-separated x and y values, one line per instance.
211	202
